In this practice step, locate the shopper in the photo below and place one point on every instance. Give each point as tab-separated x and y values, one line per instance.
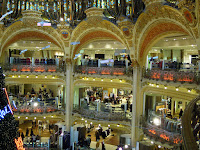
88	141
181	113
103	145
97	145
27	132
22	135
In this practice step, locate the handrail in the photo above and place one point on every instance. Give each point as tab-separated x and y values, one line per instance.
188	136
172	76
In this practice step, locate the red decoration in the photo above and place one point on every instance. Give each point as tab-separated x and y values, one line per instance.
19	143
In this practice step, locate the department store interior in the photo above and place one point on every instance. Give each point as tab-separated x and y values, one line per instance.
98	102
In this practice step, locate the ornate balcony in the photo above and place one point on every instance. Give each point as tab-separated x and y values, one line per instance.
172	76
163	129
103	113
117	71
33	68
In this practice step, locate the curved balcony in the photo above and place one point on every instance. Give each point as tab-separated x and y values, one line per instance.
103	113
163	129
116	71
191	124
172	76
33	68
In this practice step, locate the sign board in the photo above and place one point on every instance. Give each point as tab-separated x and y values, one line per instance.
75	43
46	47
44	24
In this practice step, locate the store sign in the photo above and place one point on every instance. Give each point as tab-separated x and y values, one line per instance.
44	24
7	109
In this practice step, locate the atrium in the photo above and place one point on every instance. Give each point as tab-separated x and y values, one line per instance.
95	74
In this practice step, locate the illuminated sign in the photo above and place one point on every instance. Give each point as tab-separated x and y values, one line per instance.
46	47
44	24
75	43
7	110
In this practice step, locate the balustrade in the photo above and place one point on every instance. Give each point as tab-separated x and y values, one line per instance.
162	129
103	70
101	114
173	76
34	68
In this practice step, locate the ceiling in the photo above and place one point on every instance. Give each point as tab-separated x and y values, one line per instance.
33	44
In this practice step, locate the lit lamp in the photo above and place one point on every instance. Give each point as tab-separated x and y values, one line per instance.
35	104
156	121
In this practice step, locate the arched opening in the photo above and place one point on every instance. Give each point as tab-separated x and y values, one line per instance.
154	33
177	52
32	46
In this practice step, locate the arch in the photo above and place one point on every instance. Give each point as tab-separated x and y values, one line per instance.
18	31
100	29
96	35
154	34
156	22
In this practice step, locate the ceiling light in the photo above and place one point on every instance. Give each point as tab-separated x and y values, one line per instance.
44	117
159	146
151	142
157	86
111	80
13	76
120	80
26	117
53	77
83	78
166	40
174	39
18	117
189	90
101	79
34	117
45	76
49	42
35	104
118	125
108	125
93	79
177	89
36	76
165	87
51	116
184	38
87	79
27	76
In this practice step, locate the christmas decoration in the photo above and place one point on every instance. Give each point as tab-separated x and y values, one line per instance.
8	125
19	144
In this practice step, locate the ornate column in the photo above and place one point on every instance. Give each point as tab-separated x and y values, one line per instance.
136	104
69	94
198	48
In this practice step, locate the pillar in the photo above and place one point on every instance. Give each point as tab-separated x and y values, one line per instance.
136	104
198	49
68	94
